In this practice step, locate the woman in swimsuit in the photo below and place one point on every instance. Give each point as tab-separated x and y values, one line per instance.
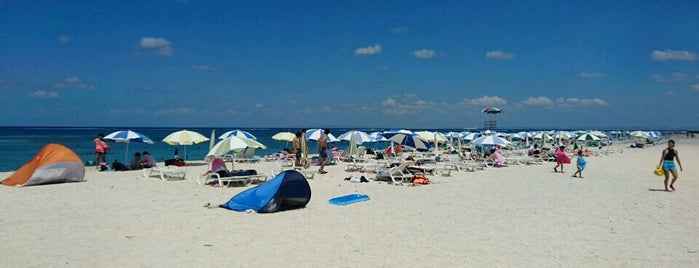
668	164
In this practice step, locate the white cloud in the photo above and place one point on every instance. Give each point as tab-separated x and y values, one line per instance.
580	102
178	111
674	77
485	101
658	78
679	76
73	82
375	49
424	53
399	29
326	109
499	54
64	39
538	101
158	45
164	51
695	87
406	104
259	105
151	42
205	67
667	54
592	75
44	94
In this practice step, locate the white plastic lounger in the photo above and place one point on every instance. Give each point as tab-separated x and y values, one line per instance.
165	173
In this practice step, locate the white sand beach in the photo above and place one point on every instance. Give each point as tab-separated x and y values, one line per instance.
517	216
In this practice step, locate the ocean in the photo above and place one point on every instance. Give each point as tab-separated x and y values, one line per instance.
19	144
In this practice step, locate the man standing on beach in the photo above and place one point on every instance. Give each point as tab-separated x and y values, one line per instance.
323	150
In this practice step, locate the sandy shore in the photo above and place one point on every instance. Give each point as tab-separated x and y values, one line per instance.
523	216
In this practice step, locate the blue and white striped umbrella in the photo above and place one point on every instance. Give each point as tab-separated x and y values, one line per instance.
315	133
407	138
376	137
359	136
128	136
237	133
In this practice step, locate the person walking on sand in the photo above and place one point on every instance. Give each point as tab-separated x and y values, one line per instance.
323	150
581	164
668	164
561	158
101	149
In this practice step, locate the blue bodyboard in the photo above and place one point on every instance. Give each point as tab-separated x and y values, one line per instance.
348	199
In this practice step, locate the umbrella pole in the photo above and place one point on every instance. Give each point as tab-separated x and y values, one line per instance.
126	155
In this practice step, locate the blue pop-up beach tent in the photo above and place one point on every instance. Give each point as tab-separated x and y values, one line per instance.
288	190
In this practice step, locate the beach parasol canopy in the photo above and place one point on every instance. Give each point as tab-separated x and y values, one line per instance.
238	133
639	134
233	144
128	136
184	137
491	110
588	137
314	134
490	140
407	138
284	136
469	136
377	137
358	136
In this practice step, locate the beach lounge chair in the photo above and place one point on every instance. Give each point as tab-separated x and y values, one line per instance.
398	175
165	173
220	173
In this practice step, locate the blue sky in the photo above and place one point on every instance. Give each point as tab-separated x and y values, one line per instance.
392	64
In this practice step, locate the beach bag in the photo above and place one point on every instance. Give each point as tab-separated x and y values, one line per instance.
658	171
420	179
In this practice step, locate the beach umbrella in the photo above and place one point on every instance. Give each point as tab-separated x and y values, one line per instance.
284	136
407	138
432	136
316	133
640	134
128	136
358	136
184	137
238	133
376	137
470	136
598	133
212	140
233	144
491	140
542	136
491	110
588	137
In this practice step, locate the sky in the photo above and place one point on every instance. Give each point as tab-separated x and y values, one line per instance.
375	64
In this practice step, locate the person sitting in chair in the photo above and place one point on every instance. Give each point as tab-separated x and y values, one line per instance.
148	160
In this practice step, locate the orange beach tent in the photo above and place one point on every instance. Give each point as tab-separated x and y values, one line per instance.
54	163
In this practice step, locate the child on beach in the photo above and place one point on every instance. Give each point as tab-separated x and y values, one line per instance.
581	164
561	158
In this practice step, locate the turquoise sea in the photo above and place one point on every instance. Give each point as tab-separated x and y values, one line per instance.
19	144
